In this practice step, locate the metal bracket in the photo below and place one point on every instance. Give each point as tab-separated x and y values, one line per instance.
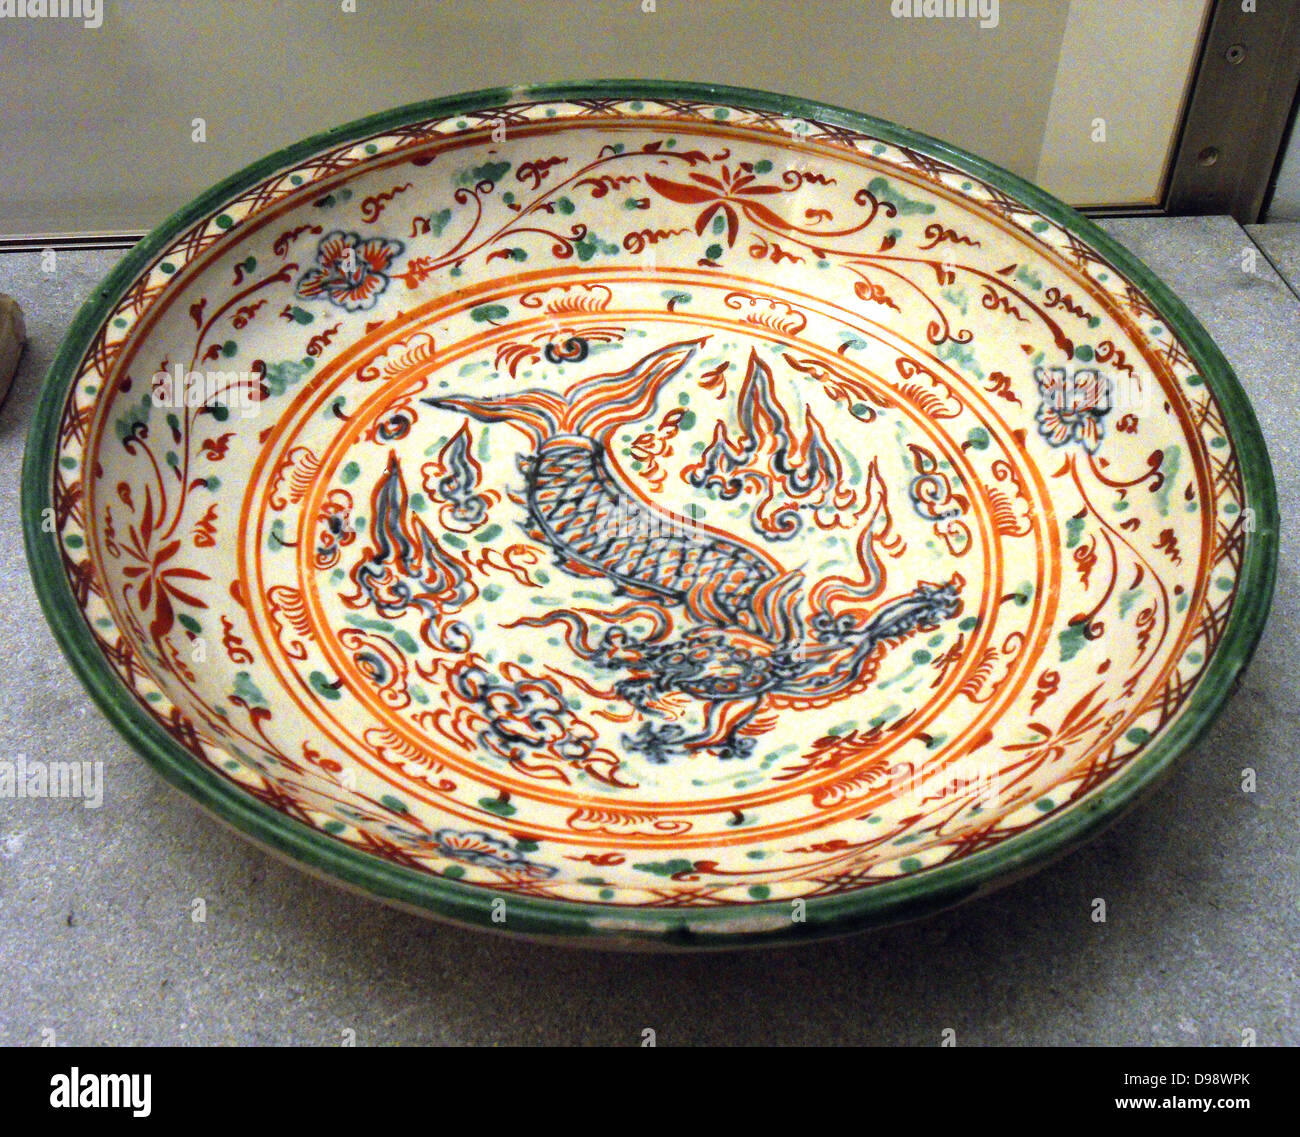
1238	110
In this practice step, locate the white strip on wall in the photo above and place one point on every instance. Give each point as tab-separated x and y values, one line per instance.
1117	99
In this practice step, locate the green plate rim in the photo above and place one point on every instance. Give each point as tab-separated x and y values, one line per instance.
768	922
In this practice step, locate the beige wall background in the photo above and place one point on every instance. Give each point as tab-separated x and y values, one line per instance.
96	134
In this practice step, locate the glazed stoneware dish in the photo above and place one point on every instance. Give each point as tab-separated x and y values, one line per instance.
648	515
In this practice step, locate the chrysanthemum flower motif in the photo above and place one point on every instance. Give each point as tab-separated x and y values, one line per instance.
350	272
485	851
1072	407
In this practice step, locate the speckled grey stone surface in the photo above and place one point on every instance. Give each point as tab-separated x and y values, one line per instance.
97	944
1281	244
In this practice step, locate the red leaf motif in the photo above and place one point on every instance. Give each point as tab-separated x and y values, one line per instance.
685	195
766	216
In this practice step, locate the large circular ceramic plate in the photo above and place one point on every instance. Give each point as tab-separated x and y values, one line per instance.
648	514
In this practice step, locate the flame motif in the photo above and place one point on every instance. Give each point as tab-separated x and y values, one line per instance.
453	478
405	566
792	472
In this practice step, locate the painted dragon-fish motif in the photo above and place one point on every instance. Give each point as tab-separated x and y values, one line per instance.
755	631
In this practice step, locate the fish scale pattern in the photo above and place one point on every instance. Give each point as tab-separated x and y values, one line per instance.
590	521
